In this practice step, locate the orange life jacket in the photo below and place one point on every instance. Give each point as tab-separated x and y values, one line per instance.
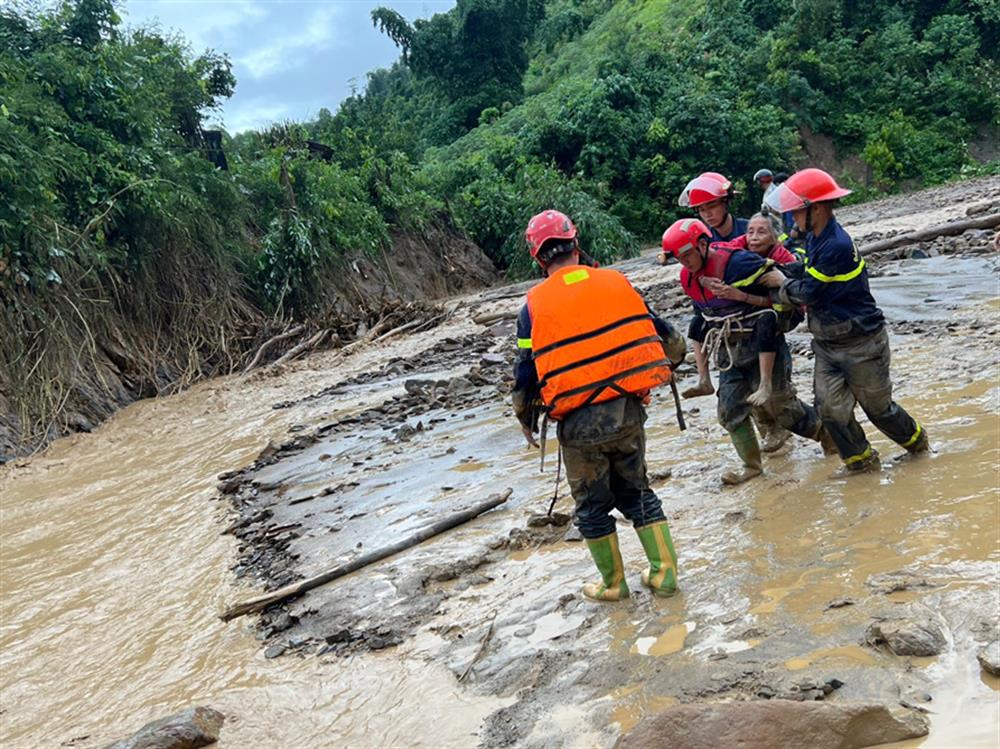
592	339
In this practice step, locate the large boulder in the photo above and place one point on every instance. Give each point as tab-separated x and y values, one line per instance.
191	729
773	724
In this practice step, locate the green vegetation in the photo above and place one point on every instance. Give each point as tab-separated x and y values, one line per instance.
115	217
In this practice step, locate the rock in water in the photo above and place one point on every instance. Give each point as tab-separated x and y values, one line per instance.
907	636
989	658
190	729
773	724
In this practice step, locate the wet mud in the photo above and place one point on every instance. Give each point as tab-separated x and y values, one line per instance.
800	585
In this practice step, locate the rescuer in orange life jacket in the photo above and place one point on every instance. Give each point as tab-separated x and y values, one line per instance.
589	352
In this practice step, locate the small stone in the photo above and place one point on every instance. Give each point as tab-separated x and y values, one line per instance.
282	622
525	631
343	635
274	651
989	658
839	603
907	637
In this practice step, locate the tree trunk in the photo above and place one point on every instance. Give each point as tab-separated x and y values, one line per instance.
932	232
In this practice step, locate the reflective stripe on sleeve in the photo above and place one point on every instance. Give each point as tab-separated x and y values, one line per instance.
819	276
768	264
524	343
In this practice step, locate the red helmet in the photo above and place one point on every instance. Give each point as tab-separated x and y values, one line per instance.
545	226
705	188
683	235
803	189
721	177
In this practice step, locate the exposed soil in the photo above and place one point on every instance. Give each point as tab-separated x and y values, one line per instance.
112	375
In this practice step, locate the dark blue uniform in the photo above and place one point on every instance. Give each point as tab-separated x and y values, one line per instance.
739	229
739	365
851	346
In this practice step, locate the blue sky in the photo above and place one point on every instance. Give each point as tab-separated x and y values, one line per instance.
290	57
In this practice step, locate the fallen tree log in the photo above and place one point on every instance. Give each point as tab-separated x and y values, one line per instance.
290	333
949	229
259	603
494	317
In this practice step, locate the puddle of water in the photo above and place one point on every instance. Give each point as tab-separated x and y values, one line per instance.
631	705
671	641
852	653
470	467
552	626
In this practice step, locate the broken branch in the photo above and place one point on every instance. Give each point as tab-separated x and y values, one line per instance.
290	333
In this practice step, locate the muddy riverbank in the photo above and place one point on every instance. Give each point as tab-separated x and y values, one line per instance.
112	564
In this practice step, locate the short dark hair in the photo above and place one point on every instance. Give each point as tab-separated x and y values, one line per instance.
551	248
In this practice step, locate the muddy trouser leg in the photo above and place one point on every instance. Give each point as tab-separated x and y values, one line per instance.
785	407
766	333
588	474
735	384
868	376
836	401
629	483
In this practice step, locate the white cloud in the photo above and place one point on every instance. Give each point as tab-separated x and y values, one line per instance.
203	24
318	32
255	114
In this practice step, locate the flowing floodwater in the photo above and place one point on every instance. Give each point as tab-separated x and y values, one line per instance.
114	573
114	570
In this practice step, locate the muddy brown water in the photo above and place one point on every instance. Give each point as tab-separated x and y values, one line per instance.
113	569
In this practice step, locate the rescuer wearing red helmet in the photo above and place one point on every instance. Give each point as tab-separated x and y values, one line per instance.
849	336
589	352
723	282
709	194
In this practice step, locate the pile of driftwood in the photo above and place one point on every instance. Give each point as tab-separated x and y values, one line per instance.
297	339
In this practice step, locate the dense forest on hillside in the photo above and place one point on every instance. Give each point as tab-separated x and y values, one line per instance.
114	198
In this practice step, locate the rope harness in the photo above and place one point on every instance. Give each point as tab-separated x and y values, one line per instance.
728	325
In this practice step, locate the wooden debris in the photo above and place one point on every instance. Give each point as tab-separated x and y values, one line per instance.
296	589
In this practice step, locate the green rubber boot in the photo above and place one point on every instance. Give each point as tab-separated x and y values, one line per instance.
608	559
661	576
745	441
